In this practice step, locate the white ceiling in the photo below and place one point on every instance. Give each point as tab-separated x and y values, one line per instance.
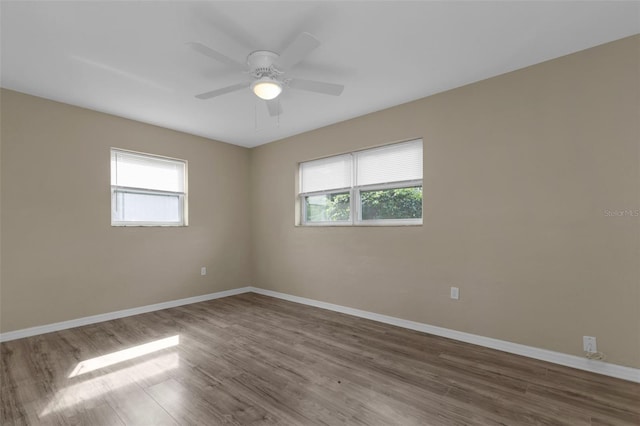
131	59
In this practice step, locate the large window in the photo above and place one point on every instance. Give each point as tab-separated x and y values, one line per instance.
147	190
379	186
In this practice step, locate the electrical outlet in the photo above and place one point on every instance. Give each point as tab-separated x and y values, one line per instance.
455	293
203	270
589	344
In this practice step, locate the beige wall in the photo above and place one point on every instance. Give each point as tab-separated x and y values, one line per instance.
518	173
62	260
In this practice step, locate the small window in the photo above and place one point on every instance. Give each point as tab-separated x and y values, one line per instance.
147	190
379	186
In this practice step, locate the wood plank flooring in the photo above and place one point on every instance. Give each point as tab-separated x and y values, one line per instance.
254	360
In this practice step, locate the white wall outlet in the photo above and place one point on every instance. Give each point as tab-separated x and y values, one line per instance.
589	344
455	293
203	270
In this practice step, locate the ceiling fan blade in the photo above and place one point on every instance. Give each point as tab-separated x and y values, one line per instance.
304	44
224	90
317	86
207	51
274	107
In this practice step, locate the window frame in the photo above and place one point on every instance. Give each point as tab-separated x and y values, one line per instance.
355	210
182	196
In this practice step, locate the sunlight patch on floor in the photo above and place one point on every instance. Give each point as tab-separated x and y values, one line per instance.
92	388
124	355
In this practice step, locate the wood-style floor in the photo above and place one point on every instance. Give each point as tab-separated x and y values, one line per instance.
251	359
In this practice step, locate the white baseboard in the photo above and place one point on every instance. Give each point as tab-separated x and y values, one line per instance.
600	367
48	328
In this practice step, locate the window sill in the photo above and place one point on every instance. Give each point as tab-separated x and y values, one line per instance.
147	225
364	225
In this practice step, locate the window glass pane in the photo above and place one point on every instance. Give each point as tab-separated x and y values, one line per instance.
148	172
392	163
397	203
328	207
326	174
161	208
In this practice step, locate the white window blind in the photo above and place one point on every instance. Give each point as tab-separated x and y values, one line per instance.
392	163
326	174
131	207
134	170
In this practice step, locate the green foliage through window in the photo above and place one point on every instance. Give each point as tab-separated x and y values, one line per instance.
396	203
328	208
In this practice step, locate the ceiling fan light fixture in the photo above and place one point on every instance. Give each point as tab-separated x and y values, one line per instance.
266	88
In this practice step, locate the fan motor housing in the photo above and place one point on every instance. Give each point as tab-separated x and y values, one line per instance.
262	60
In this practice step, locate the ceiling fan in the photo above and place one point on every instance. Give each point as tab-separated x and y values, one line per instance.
267	72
